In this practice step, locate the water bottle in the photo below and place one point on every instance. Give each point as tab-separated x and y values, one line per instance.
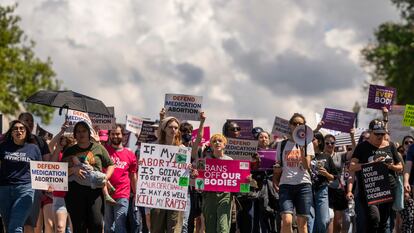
351	208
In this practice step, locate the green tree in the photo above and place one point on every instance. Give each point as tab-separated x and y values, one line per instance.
390	58
21	72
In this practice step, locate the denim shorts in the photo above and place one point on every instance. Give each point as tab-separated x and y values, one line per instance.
297	197
59	205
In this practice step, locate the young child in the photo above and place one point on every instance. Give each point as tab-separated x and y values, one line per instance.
94	179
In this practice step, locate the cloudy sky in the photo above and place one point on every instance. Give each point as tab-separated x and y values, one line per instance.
248	59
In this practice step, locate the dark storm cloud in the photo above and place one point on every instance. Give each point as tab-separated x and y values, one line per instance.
192	75
294	73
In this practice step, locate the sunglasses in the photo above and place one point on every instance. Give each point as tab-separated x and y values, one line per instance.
235	129
329	143
217	141
379	134
297	123
22	128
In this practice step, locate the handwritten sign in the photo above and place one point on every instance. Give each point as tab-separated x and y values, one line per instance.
241	149
377	187
104	122
134	124
338	120
380	96
183	107
408	115
163	177
267	159
206	135
280	127
45	175
223	175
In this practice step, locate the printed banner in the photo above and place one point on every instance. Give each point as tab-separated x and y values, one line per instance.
103	122
380	96
280	127
183	107
134	124
45	175
206	135
73	117
241	149
218	175
163	177
246	127
338	120
147	132
267	159
408	115
377	187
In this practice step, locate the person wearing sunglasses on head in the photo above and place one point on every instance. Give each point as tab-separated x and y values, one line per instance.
376	149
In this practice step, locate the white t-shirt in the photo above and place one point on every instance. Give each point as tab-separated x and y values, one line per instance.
293	172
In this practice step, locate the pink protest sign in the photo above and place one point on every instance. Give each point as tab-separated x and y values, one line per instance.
219	175
206	135
380	96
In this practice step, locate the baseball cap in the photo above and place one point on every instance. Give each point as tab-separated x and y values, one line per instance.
377	126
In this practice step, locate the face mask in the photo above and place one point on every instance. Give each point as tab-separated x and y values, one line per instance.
186	137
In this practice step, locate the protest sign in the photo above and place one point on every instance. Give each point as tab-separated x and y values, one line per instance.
147	132
408	115
206	135
246	127
220	175
380	96
395	124
338	120
45	175
376	185
318	118
267	159
163	176
134	124
73	117
280	127
183	107
103	122
241	149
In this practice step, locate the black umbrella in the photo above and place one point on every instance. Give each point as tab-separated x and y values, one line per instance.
69	100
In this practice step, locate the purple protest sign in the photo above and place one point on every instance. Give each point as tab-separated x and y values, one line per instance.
338	120
246	127
380	96
267	159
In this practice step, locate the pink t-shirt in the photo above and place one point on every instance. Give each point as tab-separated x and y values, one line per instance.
125	163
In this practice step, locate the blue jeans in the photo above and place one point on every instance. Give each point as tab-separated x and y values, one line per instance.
135	222
184	229
16	202
116	216
321	204
297	197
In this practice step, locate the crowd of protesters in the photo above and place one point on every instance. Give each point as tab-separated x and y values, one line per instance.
311	188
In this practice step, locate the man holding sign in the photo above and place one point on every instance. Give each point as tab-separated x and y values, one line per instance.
376	149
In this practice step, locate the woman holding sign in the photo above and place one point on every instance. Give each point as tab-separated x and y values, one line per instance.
167	220
16	193
380	152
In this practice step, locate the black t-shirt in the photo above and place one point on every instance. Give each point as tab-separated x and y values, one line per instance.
325	161
365	152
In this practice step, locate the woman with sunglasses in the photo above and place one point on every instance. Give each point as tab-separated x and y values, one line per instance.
376	149
16	193
295	185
